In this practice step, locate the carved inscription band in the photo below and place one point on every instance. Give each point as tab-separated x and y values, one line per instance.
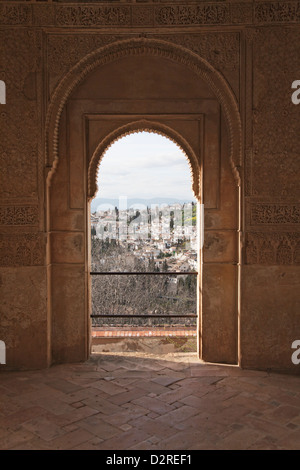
149	15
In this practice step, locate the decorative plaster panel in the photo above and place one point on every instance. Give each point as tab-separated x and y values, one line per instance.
26	249
166	15
273	248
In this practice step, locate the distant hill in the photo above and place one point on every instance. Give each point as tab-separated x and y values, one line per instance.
106	203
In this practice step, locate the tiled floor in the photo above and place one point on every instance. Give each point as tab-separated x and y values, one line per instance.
126	401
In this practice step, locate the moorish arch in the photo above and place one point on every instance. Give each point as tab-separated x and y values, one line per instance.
79	129
139	47
144	125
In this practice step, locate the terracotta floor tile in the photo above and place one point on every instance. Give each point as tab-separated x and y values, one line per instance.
291	441
182	440
153	427
273	430
84	393
43	428
125	415
108	387
166	380
95	425
71	440
192	400
174	395
180	414
93	444
101	404
240	440
14	420
73	415
127	396
283	414
153	404
150	386
266	443
17	438
139	401
125	440
64	385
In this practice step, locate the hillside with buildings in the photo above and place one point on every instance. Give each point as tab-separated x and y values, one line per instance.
146	240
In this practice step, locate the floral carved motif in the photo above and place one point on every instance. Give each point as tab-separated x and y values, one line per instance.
274	214
242	13
22	249
276	124
221	50
143	15
18	215
272	248
15	14
192	14
20	118
64	51
277	12
93	15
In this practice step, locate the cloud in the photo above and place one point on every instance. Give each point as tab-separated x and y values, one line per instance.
144	165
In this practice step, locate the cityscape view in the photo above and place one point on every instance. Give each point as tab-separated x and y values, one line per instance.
144	254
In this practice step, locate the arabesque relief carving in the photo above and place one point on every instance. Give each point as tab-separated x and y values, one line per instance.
267	12
20	118
64	51
93	15
163	15
276	140
272	248
263	213
221	50
26	249
16	15
192	14
19	215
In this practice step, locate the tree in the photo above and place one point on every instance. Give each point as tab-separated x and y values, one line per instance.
165	266
93	231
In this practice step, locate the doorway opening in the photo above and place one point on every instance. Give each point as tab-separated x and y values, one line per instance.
175	93
144	240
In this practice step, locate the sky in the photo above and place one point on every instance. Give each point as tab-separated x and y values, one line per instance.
144	165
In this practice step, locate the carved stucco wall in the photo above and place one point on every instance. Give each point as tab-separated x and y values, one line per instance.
255	46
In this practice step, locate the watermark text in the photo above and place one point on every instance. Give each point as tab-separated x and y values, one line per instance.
296	94
296	354
2	353
172	222
2	92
